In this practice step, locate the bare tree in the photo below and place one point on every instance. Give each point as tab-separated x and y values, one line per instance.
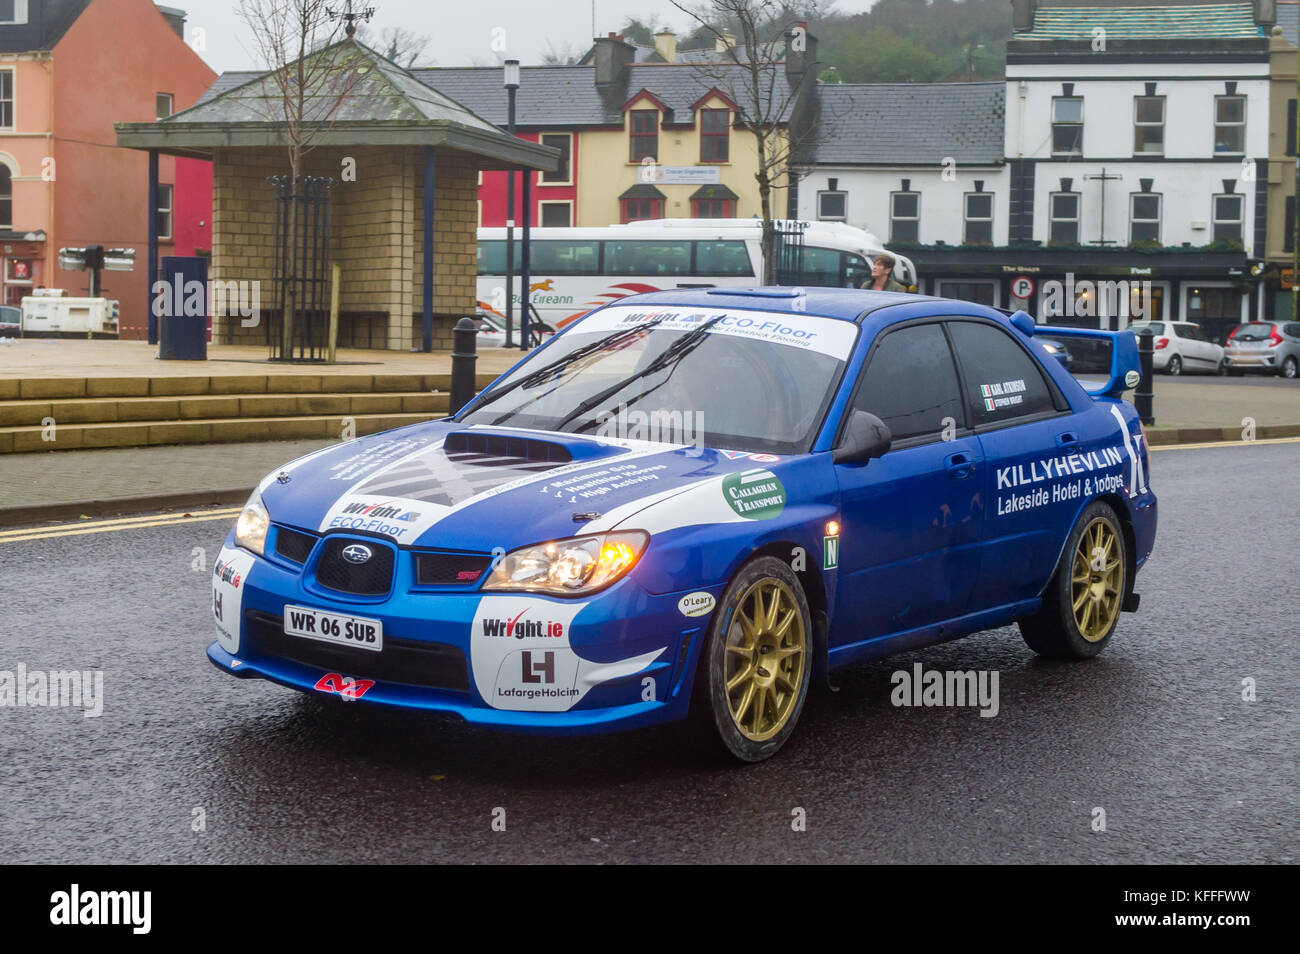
404	47
309	71
751	36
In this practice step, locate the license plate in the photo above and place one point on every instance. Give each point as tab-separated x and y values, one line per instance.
355	631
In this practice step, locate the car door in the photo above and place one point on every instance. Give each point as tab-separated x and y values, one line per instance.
1027	440
1199	351
909	553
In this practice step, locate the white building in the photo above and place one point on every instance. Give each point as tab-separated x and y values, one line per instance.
1131	171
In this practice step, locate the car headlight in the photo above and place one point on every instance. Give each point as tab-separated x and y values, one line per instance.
251	527
571	567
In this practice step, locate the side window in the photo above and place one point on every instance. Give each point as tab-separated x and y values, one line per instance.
1002	381
1292	329
911	383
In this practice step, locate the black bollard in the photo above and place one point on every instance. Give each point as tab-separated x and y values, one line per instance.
1143	397
464	356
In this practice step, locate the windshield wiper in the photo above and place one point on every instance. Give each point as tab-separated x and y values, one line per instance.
670	356
542	373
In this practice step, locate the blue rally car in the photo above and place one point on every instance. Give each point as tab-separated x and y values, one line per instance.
695	502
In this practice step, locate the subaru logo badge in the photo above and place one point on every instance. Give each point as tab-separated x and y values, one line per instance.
356	553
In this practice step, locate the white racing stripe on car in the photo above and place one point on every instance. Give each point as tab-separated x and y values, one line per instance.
1138	484
624	512
404	518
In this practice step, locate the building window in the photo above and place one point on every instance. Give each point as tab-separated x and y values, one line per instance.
162	105
13	11
904	216
1149	125
1230	124
1067	126
1063	219
6	197
635	210
644	138
713	209
715	135
555	215
1228	211
979	218
6	99
832	206
564	143
163	216
1144	218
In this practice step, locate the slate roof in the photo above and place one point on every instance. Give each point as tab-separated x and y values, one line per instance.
566	96
383	92
911	123
47	21
1174	20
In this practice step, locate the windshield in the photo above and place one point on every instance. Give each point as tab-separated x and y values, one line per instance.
743	380
1157	327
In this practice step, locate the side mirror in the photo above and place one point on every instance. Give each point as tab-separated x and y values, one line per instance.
867	436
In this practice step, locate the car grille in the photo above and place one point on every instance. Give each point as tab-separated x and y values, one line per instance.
407	661
372	578
451	569
294	545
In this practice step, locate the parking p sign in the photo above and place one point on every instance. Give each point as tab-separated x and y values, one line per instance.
1022	287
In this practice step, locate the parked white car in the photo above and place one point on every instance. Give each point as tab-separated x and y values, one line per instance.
1181	346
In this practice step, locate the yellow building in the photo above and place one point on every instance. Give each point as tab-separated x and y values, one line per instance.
665	138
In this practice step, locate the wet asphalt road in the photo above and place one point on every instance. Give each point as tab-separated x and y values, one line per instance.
1155	731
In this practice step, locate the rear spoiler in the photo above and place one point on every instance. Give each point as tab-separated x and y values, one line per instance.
1125	371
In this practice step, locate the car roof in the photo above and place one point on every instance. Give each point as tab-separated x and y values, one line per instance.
848	304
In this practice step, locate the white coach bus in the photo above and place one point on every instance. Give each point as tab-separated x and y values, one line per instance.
577	269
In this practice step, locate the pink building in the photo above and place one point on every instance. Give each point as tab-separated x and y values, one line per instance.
70	69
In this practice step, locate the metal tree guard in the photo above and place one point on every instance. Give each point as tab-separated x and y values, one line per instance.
300	269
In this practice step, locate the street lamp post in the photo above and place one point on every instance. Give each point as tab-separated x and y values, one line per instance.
512	86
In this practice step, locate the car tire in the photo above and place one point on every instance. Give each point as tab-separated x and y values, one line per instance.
756	667
1175	365
1082	603
1222	367
1289	368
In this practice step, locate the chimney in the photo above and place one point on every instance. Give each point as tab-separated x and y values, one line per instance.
613	57
1266	12
666	45
800	55
1022	15
723	43
175	19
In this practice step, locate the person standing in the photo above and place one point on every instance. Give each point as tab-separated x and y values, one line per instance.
882	275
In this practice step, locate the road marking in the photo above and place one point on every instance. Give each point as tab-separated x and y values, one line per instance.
1270	440
108	526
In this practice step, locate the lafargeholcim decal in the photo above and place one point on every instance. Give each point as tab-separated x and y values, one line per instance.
522	658
754	494
229	577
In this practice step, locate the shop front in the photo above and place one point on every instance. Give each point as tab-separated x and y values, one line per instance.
21	265
1098	289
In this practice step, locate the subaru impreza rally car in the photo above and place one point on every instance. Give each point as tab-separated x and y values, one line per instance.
695	502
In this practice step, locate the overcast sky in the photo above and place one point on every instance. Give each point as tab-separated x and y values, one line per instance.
460	33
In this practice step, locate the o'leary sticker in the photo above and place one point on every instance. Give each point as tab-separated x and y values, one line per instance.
696	604
754	494
1131	379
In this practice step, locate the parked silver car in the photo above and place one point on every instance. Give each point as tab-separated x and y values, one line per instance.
1182	346
1266	346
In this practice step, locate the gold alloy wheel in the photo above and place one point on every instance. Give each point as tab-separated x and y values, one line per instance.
764	660
1096	580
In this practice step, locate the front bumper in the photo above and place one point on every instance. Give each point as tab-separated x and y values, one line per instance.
619	659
